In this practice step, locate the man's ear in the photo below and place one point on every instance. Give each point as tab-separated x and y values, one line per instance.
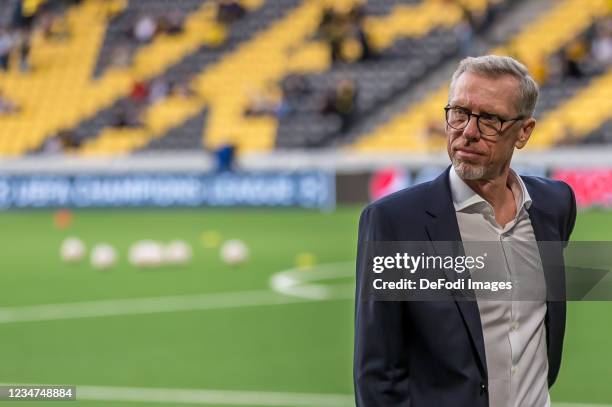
524	133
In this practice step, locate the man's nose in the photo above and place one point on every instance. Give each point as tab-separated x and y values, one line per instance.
471	131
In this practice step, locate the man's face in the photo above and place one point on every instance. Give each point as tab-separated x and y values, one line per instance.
473	155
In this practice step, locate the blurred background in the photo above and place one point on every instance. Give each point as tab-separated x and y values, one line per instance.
181	181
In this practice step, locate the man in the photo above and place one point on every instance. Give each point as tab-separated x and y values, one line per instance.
469	353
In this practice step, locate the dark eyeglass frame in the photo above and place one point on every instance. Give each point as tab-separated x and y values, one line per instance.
447	108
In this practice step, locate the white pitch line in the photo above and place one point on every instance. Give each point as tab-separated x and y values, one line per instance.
232	397
178	303
304	282
217	397
150	305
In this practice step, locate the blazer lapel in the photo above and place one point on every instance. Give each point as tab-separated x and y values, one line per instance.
551	251
443	231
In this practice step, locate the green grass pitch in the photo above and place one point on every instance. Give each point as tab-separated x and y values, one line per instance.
303	347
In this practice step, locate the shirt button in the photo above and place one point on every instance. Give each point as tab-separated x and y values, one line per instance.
483	388
513	370
514	325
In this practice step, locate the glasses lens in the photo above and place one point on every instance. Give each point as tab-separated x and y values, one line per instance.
489	126
457	118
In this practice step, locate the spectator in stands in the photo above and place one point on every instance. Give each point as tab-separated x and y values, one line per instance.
295	87
68	139
601	46
145	29
573	56
7	106
259	105
158	90
26	13
356	18
342	101
140	92
346	35
6	45
22	45
127	114
120	57
126	118
333	29
45	24
182	88
552	69
268	103
328	32
465	34
364	42
52	145
229	11
472	23
53	25
46	16
65	140
15	14
356	43
171	23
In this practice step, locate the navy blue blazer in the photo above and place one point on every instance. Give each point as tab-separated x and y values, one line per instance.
431	354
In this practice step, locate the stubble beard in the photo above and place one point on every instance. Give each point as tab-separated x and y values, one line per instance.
468	171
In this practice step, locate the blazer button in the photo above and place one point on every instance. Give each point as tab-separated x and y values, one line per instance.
483	388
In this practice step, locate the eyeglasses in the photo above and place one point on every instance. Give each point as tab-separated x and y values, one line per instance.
488	124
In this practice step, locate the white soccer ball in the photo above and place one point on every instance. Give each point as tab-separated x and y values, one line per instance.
72	250
103	256
146	253
177	252
234	252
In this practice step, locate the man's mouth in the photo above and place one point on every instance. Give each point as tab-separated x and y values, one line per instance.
462	152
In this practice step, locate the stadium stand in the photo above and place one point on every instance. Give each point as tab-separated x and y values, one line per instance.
375	81
54	93
370	76
382	7
415	51
173	111
585	112
88	22
416	20
120	43
187	136
96	133
603	135
252	66
539	40
258	133
7	12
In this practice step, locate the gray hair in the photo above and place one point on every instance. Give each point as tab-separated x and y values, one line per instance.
494	66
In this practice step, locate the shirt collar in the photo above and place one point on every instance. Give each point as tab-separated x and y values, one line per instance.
464	196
